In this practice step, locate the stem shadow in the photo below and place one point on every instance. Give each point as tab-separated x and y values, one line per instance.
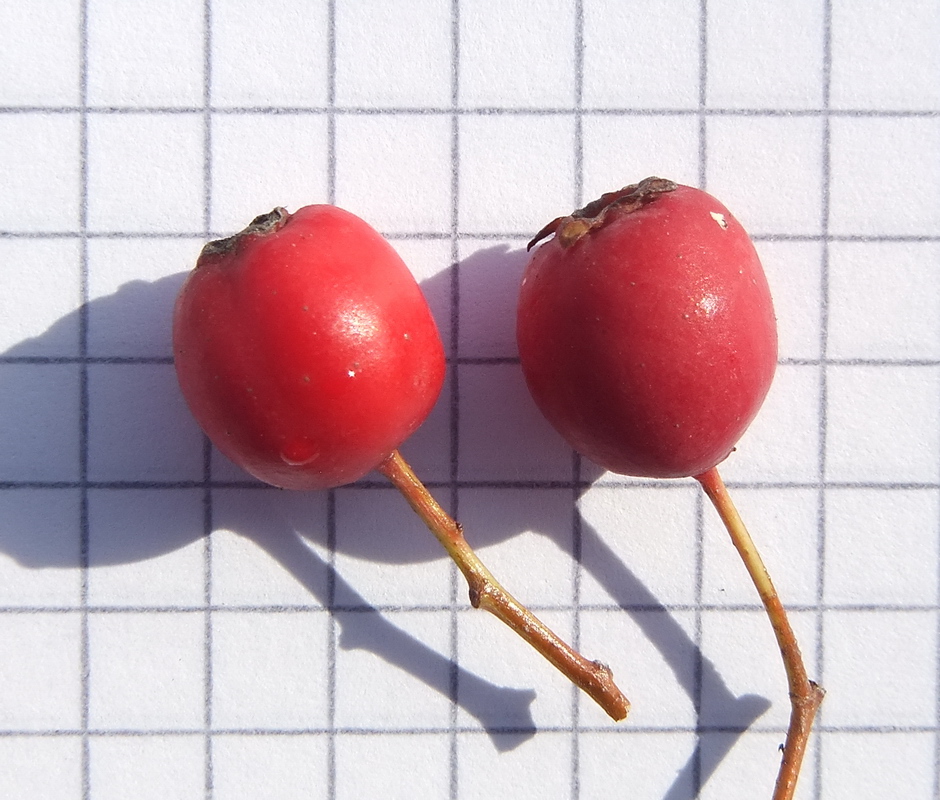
678	650
503	712
494	275
140	440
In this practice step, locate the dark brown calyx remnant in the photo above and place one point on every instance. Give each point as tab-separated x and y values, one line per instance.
571	228
259	226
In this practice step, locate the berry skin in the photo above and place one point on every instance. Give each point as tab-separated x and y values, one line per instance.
305	348
646	330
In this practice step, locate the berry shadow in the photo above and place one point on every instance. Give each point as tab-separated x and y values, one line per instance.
91	422
153	440
512	440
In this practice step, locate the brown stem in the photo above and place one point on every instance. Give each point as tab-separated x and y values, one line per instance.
805	695
485	592
568	230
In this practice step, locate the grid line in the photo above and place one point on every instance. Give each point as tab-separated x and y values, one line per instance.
698	666
83	435
367	732
826	170
471	236
702	110
430	608
474	360
454	772
584	111
207	498
698	609
333	633
332	641
533	485
519	236
577	548
635	730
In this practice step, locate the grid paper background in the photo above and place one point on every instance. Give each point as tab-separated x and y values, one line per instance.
171	629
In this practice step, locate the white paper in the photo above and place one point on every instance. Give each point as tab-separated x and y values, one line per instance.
172	629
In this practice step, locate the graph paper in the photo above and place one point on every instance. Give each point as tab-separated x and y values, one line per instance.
170	628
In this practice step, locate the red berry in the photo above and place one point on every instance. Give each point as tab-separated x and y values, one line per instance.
646	330
305	348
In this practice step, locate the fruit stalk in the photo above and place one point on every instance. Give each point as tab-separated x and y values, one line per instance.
805	695
486	592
